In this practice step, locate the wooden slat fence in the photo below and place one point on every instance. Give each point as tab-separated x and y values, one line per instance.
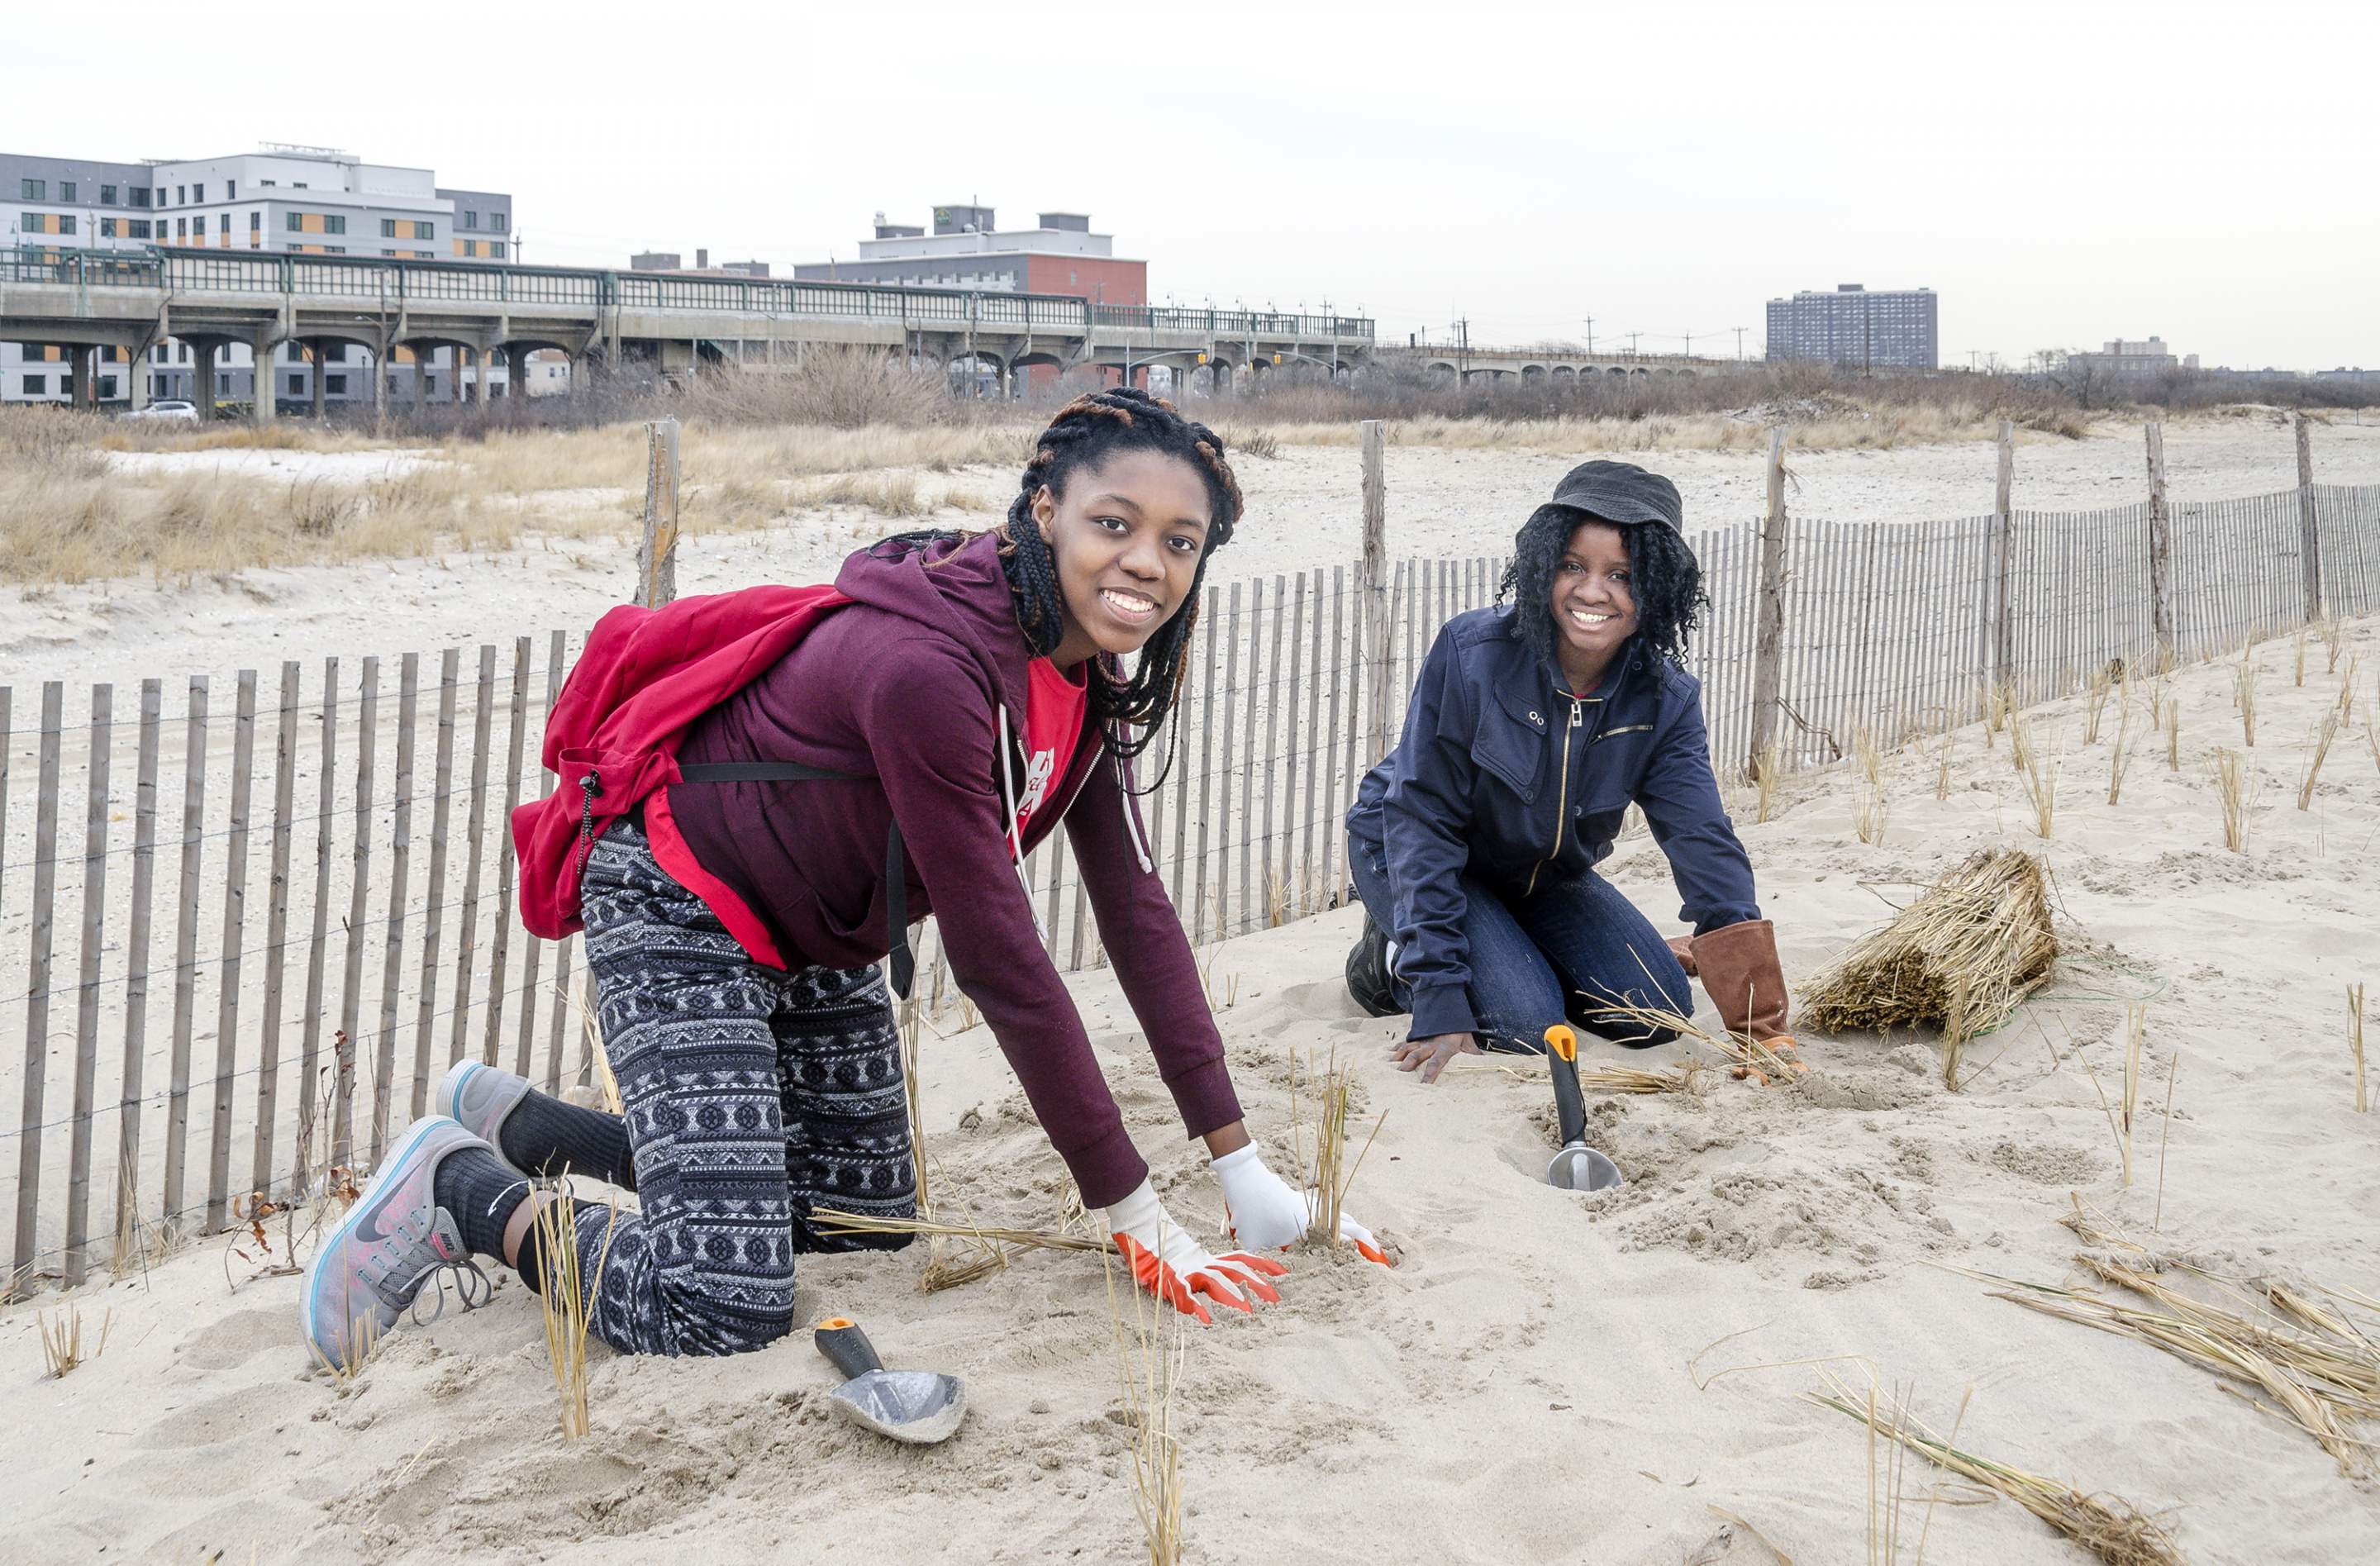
342	967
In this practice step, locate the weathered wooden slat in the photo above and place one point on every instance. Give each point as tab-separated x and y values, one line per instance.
185	950
400	851
276	930
1200	870
1276	696
1250	696
136	952
557	1023
94	942
515	748
1291	696
37	997
434	916
1340	792
1319	746
234	934
326	790
532	949
475	834
1232	696
351	989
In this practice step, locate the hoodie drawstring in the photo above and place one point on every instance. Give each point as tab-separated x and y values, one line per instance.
1015	834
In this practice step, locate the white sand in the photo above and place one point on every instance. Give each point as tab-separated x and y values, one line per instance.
1305	510
1518	1389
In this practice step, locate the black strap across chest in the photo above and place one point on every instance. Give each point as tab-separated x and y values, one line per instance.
896	881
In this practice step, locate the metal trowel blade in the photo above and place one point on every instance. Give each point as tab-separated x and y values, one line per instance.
918	1406
1580	1168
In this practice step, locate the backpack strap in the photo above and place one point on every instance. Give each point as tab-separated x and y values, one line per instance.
896	885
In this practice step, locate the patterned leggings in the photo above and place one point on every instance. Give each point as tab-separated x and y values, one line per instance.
751	1095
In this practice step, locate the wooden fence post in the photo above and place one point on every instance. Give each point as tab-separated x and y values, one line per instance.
1376	583
1769	636
2003	610
657	555
37	995
2309	537
2160	547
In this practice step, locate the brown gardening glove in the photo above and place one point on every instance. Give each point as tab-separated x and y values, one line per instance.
1739	971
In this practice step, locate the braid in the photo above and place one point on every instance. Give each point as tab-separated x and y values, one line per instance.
1131	706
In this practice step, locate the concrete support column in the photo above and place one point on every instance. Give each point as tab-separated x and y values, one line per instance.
421	353
202	373
136	391
380	379
315	366
266	390
466	358
517	368
80	359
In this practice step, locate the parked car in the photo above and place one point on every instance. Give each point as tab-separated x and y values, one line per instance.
167	408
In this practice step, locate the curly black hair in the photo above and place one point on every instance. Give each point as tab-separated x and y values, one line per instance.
1662	577
1085	433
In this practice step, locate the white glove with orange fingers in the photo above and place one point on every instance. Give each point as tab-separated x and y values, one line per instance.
1263	1212
1169	1264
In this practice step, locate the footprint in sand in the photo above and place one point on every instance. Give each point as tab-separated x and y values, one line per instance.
236	1339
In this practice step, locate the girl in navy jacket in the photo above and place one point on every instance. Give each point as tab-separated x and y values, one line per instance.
1535	724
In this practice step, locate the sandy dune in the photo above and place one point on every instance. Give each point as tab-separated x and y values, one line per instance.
1523	1386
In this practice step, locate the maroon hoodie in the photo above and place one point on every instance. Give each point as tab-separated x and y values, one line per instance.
919	684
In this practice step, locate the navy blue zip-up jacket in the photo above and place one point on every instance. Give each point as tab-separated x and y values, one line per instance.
1503	774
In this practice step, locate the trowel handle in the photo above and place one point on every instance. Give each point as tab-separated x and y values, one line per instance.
845	1346
1562	1055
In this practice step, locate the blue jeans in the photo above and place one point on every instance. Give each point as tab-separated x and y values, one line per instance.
1550	958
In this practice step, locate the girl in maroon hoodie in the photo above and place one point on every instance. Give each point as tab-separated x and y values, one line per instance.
974	695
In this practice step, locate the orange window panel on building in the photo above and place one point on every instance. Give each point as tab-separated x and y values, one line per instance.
199	237
309	223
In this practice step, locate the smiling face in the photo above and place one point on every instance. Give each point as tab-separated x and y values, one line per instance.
1126	536
1593	604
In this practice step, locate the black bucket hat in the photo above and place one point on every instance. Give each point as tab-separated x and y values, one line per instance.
1621	492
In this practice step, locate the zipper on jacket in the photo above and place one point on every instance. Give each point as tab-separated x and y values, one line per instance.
1562	805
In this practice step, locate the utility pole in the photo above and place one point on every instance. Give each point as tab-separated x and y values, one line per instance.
1590	336
1463	351
1631	344
1690	345
1739	342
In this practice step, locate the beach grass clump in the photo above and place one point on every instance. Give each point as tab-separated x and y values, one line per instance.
2111	1529
2237	788
563	1300
61	1334
2355	1044
2244	696
1151	1346
2318	751
1967	951
2299	1359
1329	1176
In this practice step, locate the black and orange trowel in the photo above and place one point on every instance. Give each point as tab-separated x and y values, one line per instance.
917	1407
1577	1167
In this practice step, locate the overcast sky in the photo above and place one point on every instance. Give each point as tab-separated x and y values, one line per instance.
2058	174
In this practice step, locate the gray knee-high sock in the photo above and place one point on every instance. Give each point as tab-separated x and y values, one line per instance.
545	1135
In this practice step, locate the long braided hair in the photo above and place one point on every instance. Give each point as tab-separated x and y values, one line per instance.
1663	579
1131	706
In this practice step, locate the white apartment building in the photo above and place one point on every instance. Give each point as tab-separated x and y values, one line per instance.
308	201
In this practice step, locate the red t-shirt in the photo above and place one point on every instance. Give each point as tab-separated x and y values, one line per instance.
1055	705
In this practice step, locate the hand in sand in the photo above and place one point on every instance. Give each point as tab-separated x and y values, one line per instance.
1430	1055
1263	1212
1176	1268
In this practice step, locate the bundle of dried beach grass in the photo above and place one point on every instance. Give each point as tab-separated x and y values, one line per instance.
1962	956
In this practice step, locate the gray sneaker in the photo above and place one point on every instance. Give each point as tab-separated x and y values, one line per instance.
369	1271
478	1098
